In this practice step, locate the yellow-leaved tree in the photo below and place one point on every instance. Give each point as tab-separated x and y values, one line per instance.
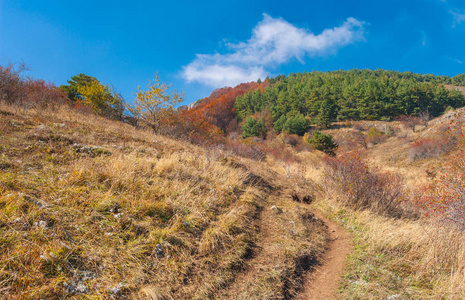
154	106
102	99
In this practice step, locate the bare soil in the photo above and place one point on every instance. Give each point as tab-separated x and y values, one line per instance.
323	281
316	276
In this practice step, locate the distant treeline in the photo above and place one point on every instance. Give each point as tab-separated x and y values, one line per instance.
325	97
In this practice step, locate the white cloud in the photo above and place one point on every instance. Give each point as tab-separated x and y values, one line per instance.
273	42
458	17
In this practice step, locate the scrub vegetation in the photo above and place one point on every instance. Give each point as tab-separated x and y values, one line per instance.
102	199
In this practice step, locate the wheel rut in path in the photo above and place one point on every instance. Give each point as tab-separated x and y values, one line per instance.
319	282
322	282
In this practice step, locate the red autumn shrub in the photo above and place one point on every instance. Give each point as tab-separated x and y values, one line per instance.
27	93
218	108
193	127
444	198
351	181
450	135
427	148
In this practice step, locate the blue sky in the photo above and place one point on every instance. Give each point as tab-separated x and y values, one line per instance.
201	45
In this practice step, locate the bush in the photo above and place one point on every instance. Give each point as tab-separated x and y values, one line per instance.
254	127
243	150
410	121
427	148
322	142
376	136
190	126
25	92
359	126
358	187
450	136
444	198
291	140
297	125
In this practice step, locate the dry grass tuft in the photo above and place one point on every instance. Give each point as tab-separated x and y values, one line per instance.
401	257
94	208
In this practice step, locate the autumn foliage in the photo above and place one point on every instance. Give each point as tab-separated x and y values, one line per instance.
360	187
25	92
208	122
444	198
218	108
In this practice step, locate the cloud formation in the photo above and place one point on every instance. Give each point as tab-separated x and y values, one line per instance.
274	41
458	17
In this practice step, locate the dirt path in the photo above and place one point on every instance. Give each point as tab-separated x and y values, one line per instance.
319	282
259	264
322	283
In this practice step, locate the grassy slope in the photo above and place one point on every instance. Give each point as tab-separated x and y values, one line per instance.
400	258
91	208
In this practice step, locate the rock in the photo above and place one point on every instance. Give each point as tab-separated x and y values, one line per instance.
117	289
193	104
43	224
160	250
278	210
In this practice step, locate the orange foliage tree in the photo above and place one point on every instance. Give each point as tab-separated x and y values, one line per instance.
218	108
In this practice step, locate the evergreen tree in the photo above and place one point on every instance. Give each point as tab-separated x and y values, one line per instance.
76	82
354	95
322	142
254	127
297	125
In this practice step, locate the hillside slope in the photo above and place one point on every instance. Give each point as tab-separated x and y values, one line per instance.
93	208
416	252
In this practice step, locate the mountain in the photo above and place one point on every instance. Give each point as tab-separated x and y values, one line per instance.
106	208
326	97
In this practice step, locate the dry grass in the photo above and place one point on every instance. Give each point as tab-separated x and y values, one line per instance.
400	258
92	208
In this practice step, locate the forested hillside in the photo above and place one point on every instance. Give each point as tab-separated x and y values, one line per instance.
218	107
325	97
104	199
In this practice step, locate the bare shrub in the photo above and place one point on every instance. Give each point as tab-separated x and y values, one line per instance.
376	136
450	136
291	140
27	93
444	199
410	121
427	148
356	186
351	140
425	116
359	126
11	83
244	150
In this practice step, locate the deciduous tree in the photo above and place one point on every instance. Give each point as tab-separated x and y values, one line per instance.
75	83
155	104
102	99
